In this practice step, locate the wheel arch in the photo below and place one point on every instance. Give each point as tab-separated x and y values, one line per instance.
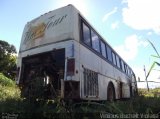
111	85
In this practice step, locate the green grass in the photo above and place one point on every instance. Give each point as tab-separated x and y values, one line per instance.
8	89
4	81
11	102
152	93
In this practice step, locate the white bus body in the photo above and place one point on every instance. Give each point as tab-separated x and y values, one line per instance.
53	49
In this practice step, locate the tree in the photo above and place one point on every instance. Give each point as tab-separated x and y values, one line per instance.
7	59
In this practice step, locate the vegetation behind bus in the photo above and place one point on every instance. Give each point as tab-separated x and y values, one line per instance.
7	59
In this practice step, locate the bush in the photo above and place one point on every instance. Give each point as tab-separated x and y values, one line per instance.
4	81
10	102
8	88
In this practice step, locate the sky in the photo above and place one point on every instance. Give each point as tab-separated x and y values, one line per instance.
125	24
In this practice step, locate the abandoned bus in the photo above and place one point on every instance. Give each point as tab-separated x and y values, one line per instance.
62	55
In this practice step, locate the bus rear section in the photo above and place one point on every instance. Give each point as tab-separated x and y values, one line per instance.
46	62
41	74
49	75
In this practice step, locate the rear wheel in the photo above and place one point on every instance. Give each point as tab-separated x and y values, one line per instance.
110	92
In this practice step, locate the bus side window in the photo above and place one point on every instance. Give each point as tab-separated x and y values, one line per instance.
118	63
95	41
122	64
86	34
109	53
125	68
130	72
114	58
103	49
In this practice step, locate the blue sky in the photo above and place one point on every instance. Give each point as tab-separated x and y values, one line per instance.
125	24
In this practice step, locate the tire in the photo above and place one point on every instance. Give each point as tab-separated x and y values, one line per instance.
110	92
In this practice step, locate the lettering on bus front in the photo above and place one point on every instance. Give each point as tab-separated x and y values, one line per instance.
35	32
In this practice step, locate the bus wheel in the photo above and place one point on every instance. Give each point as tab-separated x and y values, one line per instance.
110	92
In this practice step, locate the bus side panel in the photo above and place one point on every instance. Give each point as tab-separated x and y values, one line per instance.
107	75
121	78
126	91
103	82
90	61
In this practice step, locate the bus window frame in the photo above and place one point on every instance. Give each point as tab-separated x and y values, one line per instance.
81	21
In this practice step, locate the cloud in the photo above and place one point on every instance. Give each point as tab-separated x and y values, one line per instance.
115	25
106	16
124	1
129	49
149	33
142	14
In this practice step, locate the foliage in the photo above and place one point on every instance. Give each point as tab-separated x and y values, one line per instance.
8	88
4	81
11	102
155	62
7	59
142	104
152	93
